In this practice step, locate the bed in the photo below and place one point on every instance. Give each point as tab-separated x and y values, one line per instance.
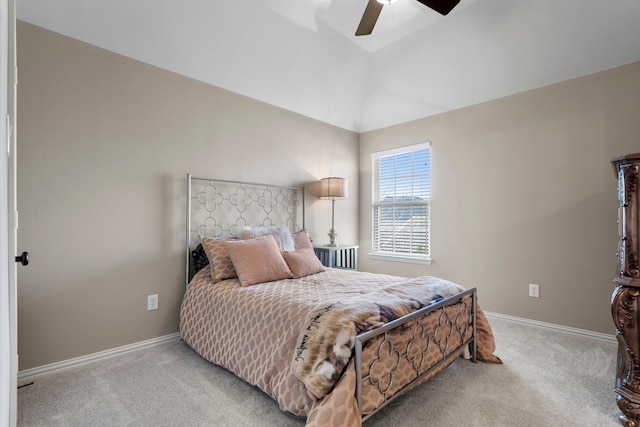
330	345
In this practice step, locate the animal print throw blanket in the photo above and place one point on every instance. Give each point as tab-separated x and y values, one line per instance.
326	341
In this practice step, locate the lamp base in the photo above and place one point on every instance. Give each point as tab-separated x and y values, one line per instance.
332	237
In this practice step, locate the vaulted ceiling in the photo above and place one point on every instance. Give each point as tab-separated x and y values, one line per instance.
303	56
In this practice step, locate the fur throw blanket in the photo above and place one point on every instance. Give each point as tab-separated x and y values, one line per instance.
327	338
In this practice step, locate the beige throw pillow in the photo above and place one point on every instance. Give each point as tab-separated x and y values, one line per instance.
219	259
257	260
303	261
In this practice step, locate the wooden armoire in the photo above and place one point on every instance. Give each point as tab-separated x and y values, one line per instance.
624	303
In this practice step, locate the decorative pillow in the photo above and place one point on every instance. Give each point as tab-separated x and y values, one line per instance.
258	260
281	233
303	261
219	259
301	240
199	258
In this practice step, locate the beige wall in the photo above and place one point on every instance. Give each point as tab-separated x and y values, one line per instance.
105	144
523	192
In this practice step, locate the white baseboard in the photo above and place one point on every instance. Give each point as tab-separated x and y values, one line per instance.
560	328
29	375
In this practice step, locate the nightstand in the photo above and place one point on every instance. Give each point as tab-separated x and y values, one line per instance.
343	256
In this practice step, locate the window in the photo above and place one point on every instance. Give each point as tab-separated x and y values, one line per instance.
401	203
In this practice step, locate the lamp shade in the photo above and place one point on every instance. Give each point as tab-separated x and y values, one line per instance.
333	188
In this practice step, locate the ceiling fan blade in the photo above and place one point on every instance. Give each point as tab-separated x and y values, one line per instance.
369	18
443	7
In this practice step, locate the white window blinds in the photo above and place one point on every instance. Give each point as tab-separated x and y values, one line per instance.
401	201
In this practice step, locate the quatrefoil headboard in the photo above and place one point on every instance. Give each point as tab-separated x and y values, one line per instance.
220	209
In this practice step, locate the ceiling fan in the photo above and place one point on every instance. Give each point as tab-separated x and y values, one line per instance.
374	7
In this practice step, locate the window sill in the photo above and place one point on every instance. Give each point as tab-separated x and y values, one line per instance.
400	258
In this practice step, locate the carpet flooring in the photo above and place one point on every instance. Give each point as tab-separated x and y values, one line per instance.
548	378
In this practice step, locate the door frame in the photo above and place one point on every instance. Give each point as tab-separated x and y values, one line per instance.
8	217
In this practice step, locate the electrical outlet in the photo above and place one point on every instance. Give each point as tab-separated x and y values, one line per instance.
152	302
534	290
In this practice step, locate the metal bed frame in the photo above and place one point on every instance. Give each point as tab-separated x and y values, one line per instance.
467	347
220	208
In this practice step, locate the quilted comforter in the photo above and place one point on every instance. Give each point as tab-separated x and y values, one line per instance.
256	332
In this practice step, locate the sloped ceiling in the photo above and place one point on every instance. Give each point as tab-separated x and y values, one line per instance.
301	55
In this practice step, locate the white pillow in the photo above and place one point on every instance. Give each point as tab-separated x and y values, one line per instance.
281	233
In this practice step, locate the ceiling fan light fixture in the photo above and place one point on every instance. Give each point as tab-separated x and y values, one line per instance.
387	2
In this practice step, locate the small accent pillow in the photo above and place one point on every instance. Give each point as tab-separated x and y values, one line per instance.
219	260
281	233
258	260
303	261
301	240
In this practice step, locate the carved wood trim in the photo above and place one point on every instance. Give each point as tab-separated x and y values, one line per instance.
630	183
626	297
623	307
630	410
625	316
632	267
628	249
631	232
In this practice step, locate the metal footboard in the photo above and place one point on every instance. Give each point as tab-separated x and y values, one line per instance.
393	359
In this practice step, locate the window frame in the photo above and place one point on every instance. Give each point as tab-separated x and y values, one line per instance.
375	253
